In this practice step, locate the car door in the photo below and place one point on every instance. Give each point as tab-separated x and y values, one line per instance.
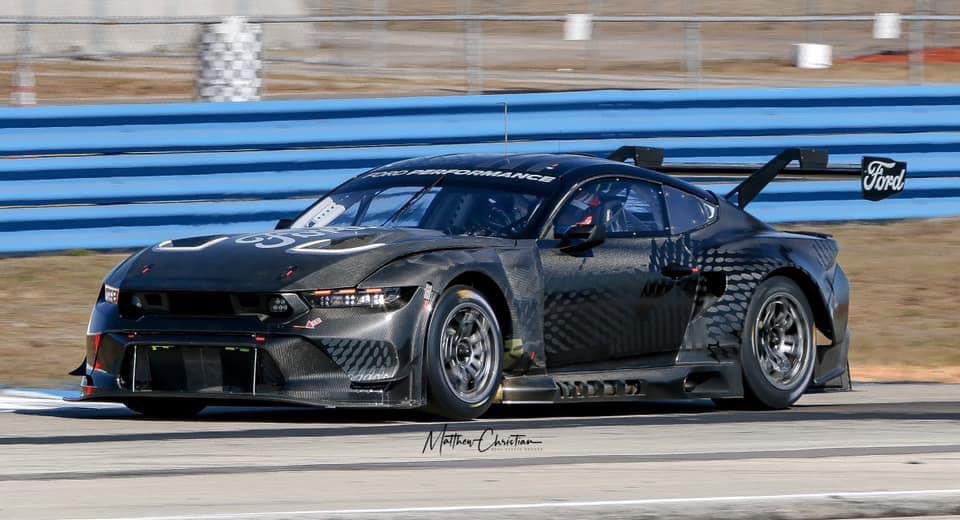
628	297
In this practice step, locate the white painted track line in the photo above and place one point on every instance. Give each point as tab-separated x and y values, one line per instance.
596	461
12	400
853	495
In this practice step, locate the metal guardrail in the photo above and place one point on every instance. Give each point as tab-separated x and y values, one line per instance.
143	173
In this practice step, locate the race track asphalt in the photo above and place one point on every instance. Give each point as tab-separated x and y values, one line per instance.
883	450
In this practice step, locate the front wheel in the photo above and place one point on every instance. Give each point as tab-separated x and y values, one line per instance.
777	351
464	355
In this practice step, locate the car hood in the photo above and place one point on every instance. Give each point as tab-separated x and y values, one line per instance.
296	259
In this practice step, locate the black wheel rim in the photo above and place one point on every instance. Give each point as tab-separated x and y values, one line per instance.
782	340
468	352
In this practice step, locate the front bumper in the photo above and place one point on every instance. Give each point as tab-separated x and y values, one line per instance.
346	359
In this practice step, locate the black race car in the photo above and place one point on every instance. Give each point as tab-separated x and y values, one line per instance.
459	281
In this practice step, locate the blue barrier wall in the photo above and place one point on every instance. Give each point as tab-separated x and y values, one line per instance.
130	175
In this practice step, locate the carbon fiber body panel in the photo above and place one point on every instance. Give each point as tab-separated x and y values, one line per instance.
363	360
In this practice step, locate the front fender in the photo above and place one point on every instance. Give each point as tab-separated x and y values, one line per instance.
516	274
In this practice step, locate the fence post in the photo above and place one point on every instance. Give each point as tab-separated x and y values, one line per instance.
812	28
917	43
694	60
596	9
340	49
381	8
474	55
23	90
97	38
472	48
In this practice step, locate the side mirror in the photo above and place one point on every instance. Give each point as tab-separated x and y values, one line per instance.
580	238
284	223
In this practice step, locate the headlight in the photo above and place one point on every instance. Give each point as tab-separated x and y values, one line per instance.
111	294
376	297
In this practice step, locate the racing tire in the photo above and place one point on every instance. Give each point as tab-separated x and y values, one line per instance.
463	359
778	349
166	408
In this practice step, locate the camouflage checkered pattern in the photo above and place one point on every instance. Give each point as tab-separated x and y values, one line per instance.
745	270
231	65
363	360
826	251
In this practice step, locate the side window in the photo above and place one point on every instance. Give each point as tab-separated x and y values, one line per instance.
687	211
628	208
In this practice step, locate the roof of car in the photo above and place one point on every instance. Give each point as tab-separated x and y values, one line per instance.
571	168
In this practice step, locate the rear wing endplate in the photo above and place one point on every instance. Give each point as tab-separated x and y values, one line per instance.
880	177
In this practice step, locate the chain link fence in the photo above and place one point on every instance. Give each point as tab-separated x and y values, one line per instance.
115	51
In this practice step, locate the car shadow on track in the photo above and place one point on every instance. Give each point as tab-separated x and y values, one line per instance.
263	423
287	414
539	416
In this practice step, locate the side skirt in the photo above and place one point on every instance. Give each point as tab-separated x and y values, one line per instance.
662	383
222	399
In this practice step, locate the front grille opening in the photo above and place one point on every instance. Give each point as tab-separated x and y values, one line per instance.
249	301
154	300
199	304
200	369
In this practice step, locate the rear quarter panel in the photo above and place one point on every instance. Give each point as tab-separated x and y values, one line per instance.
746	252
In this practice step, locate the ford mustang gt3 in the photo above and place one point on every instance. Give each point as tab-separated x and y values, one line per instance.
455	282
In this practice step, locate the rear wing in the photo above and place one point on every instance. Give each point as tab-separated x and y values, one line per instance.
880	177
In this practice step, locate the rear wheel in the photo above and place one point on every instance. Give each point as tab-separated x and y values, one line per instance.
777	351
166	408
463	359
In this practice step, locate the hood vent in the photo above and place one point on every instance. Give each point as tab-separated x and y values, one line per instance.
189	244
334	247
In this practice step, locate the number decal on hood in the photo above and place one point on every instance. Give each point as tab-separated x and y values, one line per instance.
275	239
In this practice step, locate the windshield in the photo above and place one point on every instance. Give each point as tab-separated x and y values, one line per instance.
453	209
